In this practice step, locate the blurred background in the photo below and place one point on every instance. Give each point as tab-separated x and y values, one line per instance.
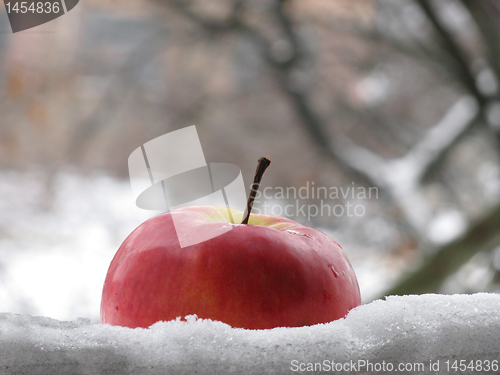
397	98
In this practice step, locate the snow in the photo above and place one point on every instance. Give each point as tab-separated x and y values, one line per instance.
53	261
447	225
409	331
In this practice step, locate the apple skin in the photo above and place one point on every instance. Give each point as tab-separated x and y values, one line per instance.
271	272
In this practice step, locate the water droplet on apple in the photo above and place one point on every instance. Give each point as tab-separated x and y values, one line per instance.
301	234
334	271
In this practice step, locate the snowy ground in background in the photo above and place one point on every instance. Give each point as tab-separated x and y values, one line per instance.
53	261
429	334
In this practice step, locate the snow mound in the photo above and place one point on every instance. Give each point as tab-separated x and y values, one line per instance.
433	331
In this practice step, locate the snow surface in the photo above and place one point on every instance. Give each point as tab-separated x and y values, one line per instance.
407	331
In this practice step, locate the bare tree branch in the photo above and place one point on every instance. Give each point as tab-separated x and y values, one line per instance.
401	177
450	44
212	25
408	46
486	14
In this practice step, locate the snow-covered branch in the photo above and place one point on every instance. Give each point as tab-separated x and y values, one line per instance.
443	135
402	177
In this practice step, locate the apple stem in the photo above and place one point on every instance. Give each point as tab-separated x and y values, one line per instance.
259	172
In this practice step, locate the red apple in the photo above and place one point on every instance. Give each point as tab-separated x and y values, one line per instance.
271	272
